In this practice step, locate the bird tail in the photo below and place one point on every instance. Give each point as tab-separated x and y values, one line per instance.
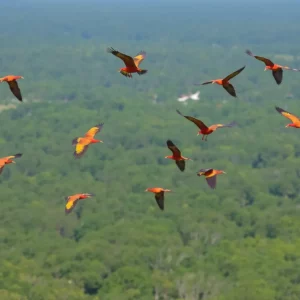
141	72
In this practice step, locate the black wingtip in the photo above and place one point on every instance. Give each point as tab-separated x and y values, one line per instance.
179	112
18	155
249	52
280	110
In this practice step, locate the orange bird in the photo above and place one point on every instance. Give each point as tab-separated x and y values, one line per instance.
210	176
159	195
293	118
8	160
71	201
225	82
204	130
277	70
179	159
82	143
131	63
13	85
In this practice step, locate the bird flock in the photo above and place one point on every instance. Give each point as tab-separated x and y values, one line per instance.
132	66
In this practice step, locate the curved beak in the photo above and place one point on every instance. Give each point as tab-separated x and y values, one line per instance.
146	190
224	172
265	69
13	162
286	126
21	77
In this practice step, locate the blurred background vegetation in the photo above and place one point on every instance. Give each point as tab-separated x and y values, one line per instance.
238	242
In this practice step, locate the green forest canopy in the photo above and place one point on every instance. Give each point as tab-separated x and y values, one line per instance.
238	242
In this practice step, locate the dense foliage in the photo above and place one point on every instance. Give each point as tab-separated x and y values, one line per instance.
238	242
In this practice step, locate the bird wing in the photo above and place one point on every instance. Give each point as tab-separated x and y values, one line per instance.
71	203
205	171
180	164
267	61
235	73
278	74
81	148
173	148
94	130
212	181
216	126
230	89
206	82
13	85
14	156
159	197
128	60
197	122
139	58
288	115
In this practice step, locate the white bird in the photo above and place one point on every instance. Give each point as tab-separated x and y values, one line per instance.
195	96
183	98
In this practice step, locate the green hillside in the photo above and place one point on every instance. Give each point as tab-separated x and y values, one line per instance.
238	242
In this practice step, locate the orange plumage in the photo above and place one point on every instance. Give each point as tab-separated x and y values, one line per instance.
82	143
13	85
205	130
277	70
71	201
179	159
210	176
225	82
293	118
8	160
159	195
131	63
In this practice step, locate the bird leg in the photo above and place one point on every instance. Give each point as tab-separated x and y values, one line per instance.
206	138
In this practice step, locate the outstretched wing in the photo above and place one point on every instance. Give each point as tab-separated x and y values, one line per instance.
216	126
204	172
159	197
128	60
180	164
94	130
278	74
13	85
14	156
197	122
206	82
71	203
230	89
263	59
212	181
139	58
173	148
235	73
80	149
288	115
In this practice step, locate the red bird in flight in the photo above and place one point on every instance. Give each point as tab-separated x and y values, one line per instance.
131	63
71	201
13	85
82	143
277	70
225	82
179	159
293	118
210	176
159	195
8	160
204	130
